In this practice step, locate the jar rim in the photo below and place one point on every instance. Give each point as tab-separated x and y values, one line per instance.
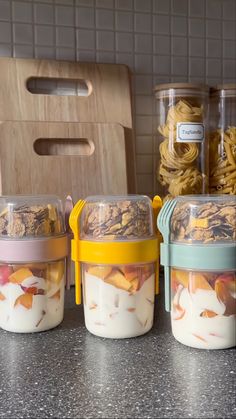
227	89
195	86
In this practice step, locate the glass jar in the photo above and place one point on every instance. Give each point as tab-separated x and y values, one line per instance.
33	248
202	283
119	266
222	139
182	123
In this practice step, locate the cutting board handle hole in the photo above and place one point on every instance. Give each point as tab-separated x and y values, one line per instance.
58	86
63	147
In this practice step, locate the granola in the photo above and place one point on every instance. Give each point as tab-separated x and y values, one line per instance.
25	221
207	223
122	219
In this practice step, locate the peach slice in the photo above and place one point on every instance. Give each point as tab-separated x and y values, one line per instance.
229	280
180	277
2	297
19	276
198	281
199	337
57	295
225	297
231	285
31	266
179	311
118	280
93	306
100	271
146	272
129	272
26	300
5	272
135	284
55	272
33	290
208	314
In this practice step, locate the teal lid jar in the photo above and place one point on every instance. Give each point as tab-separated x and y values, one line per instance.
199	257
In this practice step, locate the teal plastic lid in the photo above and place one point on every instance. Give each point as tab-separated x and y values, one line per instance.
199	233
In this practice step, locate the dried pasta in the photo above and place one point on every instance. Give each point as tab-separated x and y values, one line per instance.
223	161
178	168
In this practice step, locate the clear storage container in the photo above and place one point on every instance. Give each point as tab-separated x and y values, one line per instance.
182	123
223	139
33	248
202	283
118	264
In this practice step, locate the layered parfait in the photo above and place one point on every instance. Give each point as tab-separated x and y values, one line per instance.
31	293
118	299
203	311
31	296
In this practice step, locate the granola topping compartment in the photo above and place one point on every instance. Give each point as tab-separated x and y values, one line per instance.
115	218
25	220
209	221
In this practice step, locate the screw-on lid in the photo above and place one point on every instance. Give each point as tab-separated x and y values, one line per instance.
24	217
181	89
166	86
122	218
224	90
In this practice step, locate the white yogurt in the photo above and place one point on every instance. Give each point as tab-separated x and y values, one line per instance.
114	313
191	329
46	312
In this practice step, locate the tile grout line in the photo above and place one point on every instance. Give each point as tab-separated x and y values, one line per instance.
188	44
154	155
33	22
12	30
75	31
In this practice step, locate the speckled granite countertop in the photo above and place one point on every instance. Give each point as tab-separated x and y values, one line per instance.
68	373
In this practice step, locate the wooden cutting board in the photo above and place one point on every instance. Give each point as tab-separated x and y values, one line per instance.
108	97
77	159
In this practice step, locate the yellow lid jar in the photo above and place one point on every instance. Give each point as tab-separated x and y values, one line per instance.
117	251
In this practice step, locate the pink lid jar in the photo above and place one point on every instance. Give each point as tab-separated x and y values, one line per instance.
33	250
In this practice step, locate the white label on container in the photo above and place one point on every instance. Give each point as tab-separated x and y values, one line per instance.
188	132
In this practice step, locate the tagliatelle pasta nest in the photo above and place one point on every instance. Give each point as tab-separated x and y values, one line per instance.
178	168
223	161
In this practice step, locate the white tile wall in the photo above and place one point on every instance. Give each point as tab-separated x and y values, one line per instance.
160	40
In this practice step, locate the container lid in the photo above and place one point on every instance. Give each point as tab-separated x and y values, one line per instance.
167	86
227	89
28	216
119	218
204	219
181	89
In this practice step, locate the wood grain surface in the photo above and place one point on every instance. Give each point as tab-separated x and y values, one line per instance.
108	100
47	158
